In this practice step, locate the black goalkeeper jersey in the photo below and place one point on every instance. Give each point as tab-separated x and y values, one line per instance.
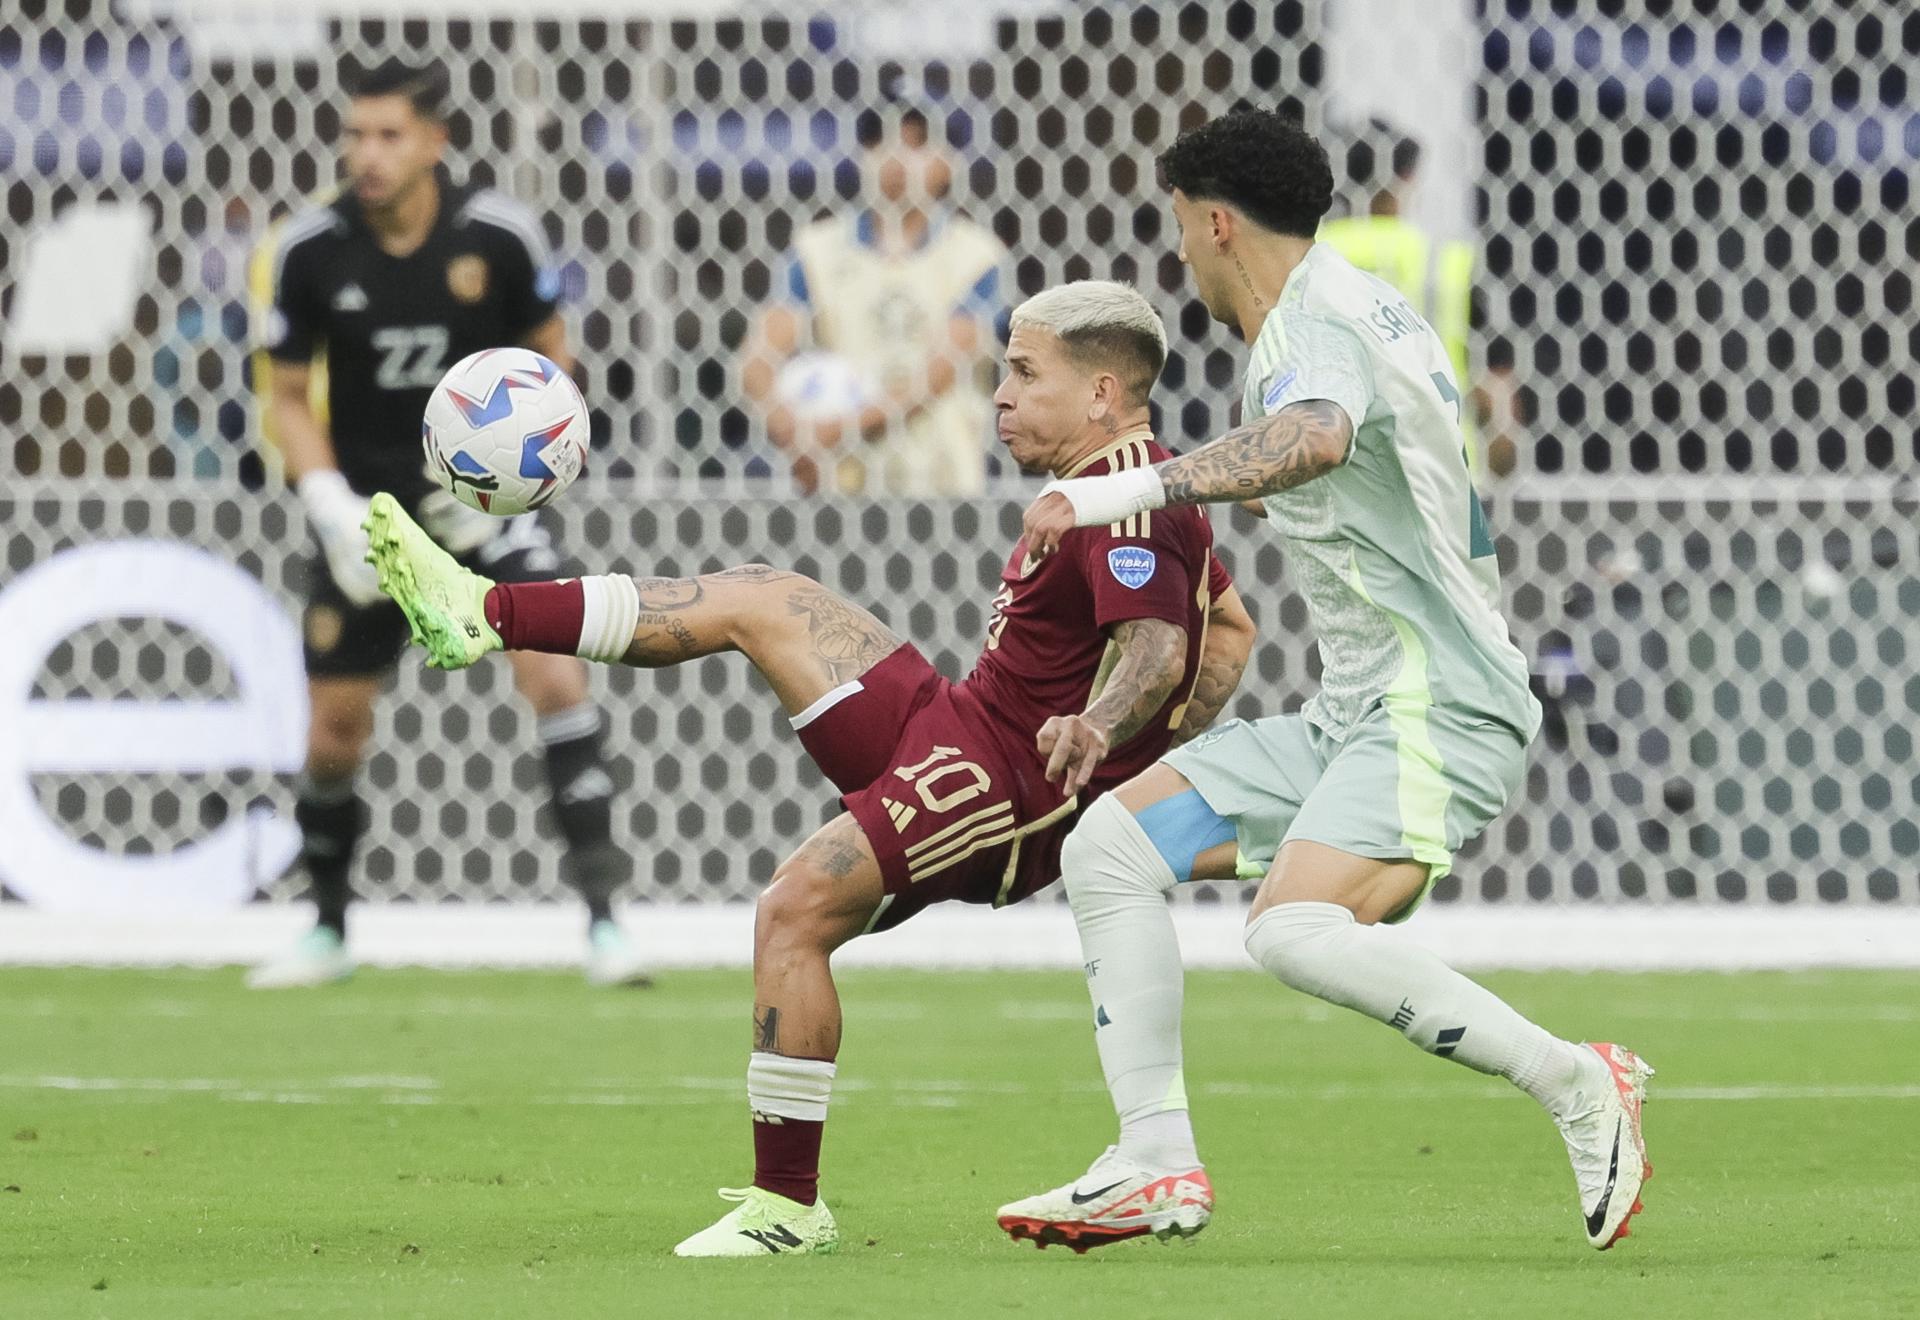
388	327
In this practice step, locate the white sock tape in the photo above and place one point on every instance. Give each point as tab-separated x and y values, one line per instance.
612	612
789	1088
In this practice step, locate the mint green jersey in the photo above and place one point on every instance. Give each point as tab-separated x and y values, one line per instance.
1391	549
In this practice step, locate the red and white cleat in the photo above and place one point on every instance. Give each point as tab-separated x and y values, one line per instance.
1113	1201
1607	1146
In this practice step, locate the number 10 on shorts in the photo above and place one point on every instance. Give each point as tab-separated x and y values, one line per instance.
939	768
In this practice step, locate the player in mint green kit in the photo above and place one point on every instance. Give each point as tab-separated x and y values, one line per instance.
1348	811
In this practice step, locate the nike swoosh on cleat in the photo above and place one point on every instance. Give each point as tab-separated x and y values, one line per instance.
1597	1220
1079	1199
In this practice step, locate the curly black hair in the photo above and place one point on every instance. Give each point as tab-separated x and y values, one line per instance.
1258	160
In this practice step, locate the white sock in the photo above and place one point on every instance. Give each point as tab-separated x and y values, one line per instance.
612	612
1319	949
1118	884
779	1087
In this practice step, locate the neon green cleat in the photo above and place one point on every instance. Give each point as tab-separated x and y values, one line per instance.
444	603
766	1224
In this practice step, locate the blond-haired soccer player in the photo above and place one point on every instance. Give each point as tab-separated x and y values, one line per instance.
1095	661
1351	809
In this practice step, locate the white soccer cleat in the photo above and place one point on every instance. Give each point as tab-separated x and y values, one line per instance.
765	1224
320	958
613	959
1113	1201
1607	1147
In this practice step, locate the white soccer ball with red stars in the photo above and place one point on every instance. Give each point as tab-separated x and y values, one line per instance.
505	431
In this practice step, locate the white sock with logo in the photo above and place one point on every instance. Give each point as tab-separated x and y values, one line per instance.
1319	949
1118	883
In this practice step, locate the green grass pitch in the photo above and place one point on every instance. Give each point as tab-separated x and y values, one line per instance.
473	1145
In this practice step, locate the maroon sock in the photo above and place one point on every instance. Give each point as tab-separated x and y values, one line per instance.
786	1157
538	616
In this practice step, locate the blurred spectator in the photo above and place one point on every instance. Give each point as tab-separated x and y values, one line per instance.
1436	275
867	368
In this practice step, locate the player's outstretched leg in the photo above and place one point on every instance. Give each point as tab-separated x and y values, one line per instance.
807	641
1311	927
821	897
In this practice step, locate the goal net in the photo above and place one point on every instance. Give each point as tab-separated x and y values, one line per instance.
1693	240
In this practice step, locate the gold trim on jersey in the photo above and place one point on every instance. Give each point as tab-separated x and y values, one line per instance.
1110	450
1203	597
1020	836
956	826
1131	452
997	828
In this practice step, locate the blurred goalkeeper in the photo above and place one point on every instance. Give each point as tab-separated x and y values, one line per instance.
365	300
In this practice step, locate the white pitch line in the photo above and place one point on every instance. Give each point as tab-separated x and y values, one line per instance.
210	1085
912	1092
638	1011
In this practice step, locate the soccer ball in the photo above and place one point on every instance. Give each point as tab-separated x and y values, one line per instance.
505	431
819	385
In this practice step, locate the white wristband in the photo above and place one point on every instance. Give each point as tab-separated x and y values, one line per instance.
1112	497
327	496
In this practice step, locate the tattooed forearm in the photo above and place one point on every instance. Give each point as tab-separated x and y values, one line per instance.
1276	453
659	593
662	638
752	573
1152	652
1220	670
845	638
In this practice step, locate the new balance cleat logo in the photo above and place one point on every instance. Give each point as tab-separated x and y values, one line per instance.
775	1239
763	1224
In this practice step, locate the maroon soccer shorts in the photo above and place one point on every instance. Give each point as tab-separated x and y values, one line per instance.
951	812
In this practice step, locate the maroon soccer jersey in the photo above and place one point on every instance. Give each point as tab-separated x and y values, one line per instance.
1047	643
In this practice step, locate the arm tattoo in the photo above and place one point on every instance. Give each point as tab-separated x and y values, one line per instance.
1221	663
660	594
766	1029
752	573
1149	665
1276	453
845	638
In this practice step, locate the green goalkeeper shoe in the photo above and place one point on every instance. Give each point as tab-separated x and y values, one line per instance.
444	603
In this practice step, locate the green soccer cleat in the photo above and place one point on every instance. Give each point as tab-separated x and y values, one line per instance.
766	1224
444	603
